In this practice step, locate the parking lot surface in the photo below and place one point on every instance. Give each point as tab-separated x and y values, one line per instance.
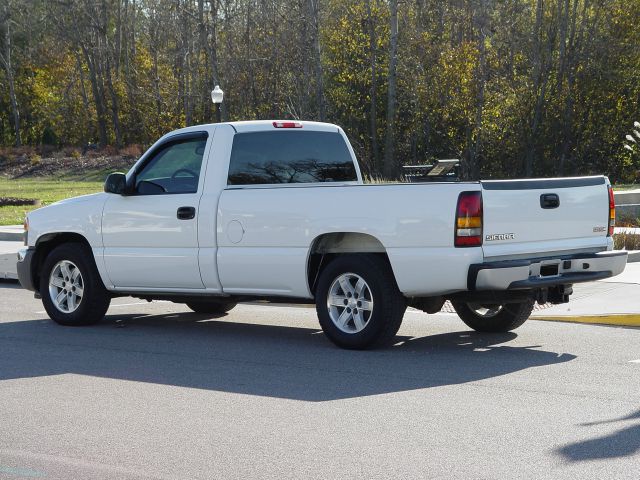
158	392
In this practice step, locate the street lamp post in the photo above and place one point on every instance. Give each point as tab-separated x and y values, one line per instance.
216	97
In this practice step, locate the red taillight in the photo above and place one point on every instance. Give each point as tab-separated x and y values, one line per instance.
469	220
612	212
287	125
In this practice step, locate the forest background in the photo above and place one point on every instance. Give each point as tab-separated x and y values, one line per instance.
514	88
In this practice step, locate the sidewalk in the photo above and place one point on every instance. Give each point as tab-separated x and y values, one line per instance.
10	233
8	259
11	240
613	301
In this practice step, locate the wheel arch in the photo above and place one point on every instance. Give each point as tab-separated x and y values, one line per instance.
45	245
329	245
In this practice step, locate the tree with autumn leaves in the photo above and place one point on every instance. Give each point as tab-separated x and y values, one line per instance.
511	87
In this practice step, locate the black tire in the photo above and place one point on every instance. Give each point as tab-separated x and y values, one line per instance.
509	317
388	303
95	299
211	306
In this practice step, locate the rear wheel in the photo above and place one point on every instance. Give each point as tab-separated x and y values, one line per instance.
493	317
71	288
358	302
211	306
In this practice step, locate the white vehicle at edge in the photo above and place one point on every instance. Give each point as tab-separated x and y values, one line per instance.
212	215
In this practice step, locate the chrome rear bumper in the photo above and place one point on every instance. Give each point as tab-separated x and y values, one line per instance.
545	272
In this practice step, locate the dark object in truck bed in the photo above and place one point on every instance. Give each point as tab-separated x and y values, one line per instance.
440	171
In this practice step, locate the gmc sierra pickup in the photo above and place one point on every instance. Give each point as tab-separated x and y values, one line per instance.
212	215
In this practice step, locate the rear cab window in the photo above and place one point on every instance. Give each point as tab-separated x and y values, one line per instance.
285	157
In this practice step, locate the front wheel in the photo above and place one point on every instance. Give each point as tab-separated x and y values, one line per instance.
358	302
493	317
71	289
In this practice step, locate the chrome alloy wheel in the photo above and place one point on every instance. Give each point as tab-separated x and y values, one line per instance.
350	303
485	311
66	286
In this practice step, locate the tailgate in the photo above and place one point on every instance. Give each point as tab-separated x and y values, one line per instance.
538	217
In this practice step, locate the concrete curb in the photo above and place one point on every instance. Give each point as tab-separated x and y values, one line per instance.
618	320
634	256
11	236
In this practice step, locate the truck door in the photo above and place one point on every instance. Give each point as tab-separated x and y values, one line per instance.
150	236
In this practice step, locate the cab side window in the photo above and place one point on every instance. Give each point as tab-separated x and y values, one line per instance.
174	168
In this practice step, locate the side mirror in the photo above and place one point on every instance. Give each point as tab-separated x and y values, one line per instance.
116	183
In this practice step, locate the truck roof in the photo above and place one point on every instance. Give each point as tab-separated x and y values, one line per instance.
261	125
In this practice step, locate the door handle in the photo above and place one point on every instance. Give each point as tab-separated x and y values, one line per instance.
549	200
186	213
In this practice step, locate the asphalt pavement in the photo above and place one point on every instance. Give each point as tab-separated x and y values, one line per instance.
157	392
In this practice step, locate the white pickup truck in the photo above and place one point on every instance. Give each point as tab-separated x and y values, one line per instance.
212	215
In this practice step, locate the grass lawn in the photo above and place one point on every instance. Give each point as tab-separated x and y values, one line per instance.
42	188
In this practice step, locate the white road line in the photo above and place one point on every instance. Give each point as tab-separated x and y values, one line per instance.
634	361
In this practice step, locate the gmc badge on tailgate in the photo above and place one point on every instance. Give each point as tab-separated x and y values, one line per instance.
500	236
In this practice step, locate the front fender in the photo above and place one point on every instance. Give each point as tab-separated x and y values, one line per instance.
79	215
